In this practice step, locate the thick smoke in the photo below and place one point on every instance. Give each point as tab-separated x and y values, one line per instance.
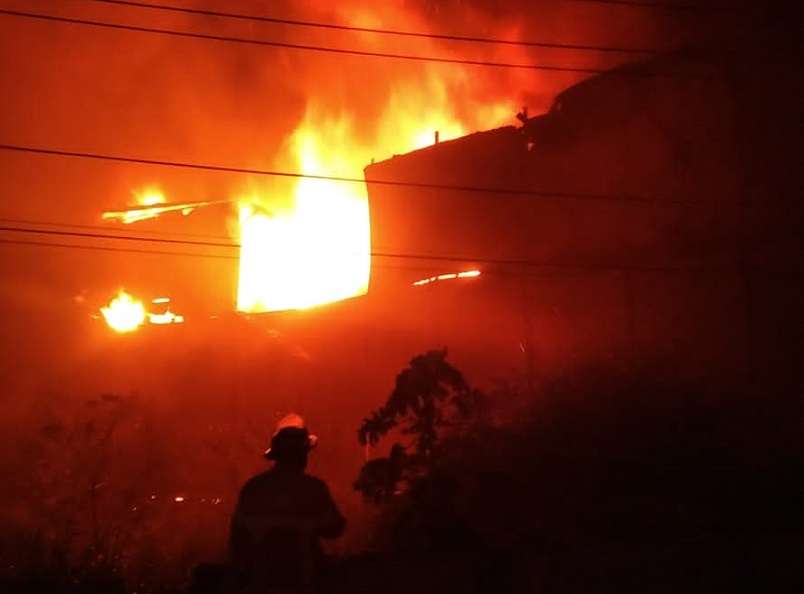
199	403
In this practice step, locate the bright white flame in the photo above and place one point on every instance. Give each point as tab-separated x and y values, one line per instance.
150	196
124	313
318	251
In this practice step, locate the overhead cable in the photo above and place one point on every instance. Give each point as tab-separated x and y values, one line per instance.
394	255
103	248
653	5
378	31
297	46
140	229
354	180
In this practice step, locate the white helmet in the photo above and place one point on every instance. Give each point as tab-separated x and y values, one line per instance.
293	432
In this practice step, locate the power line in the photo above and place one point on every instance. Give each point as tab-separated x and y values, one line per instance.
298	46
353	180
653	5
390	255
394	32
106	228
166	253
112	249
52	244
139	238
529	264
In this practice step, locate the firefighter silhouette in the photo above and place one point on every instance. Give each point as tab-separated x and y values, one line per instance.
280	516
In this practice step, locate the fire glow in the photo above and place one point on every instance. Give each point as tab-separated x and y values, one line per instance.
318	250
448	276
124	313
142	213
306	242
150	203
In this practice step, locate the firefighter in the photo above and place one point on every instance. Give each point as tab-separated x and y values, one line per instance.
280	516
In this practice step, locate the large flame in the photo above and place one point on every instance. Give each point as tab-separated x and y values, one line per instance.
124	313
317	249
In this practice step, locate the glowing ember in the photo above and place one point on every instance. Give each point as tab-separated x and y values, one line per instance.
178	499
166	316
142	213
124	313
150	196
449	276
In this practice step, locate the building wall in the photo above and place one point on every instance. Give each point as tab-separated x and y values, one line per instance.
640	242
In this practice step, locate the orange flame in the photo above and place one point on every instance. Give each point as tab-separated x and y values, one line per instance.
164	317
150	196
124	313
150	203
133	215
448	276
317	251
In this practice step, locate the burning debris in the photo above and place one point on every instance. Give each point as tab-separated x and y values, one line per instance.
150	203
142	213
165	316
306	242
126	314
448	276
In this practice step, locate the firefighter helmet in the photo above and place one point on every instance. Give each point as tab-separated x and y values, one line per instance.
291	435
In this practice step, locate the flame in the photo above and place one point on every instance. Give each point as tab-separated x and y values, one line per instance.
133	215
124	313
150	196
448	276
316	251
164	317
167	317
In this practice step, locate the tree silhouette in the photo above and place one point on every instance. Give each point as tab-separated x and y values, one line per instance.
429	397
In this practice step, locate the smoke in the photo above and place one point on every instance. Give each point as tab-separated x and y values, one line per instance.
198	100
72	87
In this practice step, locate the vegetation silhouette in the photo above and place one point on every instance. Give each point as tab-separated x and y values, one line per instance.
636	478
430	399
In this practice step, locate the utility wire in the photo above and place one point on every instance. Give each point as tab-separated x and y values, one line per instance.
652	5
298	46
101	248
394	255
354	180
453	259
112	249
77	246
394	32
106	228
87	235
